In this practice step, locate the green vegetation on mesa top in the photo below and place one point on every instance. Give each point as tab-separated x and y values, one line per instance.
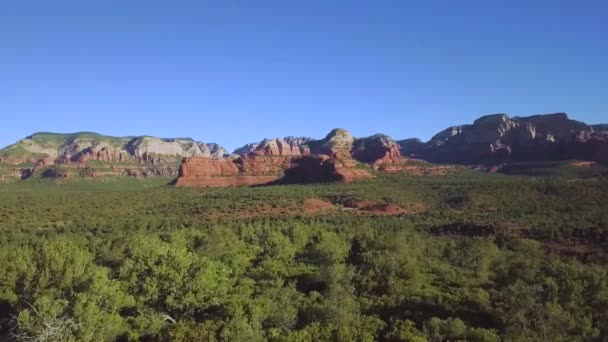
478	257
44	144
38	145
48	138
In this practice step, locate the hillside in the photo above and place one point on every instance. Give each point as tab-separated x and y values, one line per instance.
498	138
82	146
93	154
490	143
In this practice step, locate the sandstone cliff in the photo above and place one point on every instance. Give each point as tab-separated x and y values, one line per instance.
93	146
336	140
600	129
258	170
287	146
286	160
492	139
376	149
498	138
138	156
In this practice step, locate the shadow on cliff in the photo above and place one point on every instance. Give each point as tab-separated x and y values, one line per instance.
307	170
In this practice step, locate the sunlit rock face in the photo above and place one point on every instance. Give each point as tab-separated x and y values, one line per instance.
498	137
287	146
92	155
291	160
376	149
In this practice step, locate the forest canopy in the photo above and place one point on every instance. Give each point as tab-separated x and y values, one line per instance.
470	256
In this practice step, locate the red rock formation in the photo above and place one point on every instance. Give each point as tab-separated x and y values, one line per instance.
377	150
263	165
205	167
497	139
392	155
387	155
344	167
280	147
200	171
265	169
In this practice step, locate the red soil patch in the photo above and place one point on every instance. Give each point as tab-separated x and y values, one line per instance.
375	208
583	163
382	209
314	205
260	170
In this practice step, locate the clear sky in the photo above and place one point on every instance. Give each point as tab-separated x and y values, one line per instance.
234	72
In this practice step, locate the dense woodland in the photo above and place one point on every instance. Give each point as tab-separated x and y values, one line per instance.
476	257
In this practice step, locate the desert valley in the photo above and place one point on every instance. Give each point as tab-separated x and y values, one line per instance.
495	230
303	171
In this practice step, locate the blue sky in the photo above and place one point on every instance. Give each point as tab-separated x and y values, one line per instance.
234	72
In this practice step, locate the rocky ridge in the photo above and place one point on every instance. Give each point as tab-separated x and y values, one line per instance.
336	157
492	140
287	146
499	138
102	155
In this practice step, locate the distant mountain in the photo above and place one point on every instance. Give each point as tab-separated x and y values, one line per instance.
337	157
93	154
499	138
85	146
601	128
490	140
278	146
367	150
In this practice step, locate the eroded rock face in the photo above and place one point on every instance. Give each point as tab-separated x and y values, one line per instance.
336	157
497	138
491	139
287	146
213	150
268	169
281	147
322	168
344	167
202	171
263	165
206	167
600	129
141	146
377	149
246	170
133	156
412	148
102	153
337	139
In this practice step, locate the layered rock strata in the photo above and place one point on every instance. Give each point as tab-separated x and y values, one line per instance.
499	138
